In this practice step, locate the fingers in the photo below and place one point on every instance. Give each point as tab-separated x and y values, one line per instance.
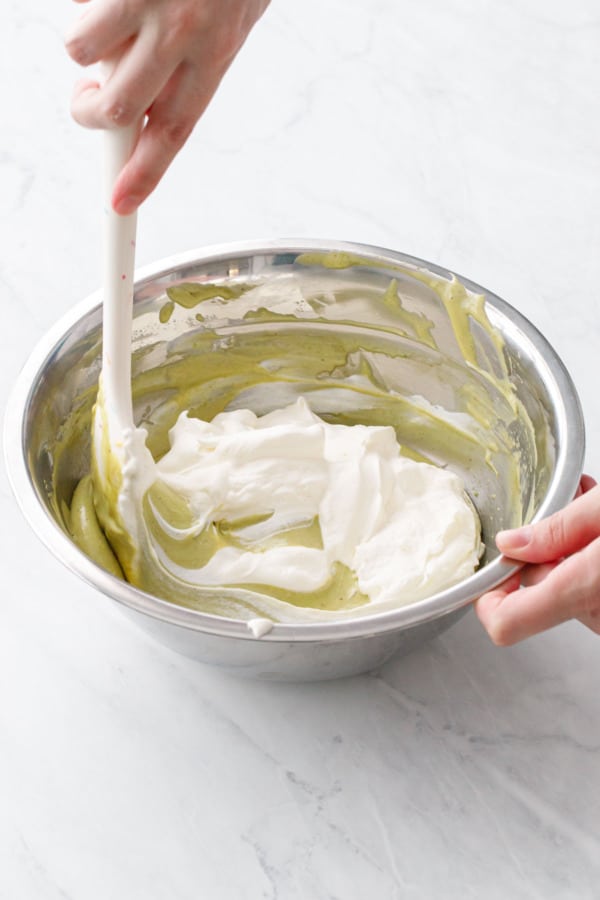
138	77
171	119
559	535
101	31
171	56
571	589
587	483
533	574
149	47
487	605
555	588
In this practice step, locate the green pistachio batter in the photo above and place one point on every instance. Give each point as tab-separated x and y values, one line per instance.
360	352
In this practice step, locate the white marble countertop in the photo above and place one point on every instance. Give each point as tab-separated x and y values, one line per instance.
467	134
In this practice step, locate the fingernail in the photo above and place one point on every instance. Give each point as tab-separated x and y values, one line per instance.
127	205
515	539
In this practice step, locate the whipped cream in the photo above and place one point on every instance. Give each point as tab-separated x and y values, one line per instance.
286	498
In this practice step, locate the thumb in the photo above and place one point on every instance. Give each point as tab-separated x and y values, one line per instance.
559	535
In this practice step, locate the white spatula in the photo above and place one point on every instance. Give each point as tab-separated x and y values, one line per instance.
117	447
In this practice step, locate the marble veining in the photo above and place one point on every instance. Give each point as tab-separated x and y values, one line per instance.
463	133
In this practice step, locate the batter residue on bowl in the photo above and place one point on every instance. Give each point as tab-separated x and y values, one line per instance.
290	473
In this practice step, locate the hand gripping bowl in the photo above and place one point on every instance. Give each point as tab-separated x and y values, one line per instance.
467	383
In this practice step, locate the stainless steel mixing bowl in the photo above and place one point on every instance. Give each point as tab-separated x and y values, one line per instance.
59	380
